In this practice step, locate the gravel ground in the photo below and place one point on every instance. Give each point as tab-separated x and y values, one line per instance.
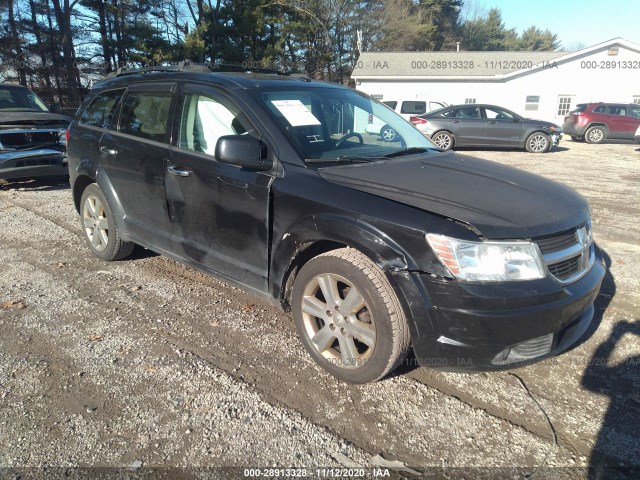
147	362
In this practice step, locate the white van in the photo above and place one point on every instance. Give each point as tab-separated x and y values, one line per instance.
407	109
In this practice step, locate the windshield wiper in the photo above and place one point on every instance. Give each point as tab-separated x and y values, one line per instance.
343	159
407	151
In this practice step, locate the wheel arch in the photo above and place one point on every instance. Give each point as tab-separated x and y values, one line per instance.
299	246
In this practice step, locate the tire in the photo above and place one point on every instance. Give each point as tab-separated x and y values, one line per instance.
538	142
443	140
388	134
369	324
595	135
99	226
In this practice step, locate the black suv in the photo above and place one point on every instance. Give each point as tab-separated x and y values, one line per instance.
32	138
268	182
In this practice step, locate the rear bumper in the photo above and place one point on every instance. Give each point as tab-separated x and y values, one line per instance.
33	163
464	327
573	129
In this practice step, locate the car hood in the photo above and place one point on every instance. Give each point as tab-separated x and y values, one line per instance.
497	200
32	119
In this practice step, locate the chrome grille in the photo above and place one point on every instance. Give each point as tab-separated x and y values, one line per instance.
569	255
558	242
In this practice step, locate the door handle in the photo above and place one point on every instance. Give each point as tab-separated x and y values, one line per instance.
180	172
493	122
109	151
456	121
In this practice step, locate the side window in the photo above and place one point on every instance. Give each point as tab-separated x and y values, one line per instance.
100	112
599	109
145	115
498	114
392	104
634	111
414	107
468	112
205	119
617	110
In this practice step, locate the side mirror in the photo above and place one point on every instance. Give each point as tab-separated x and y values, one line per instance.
244	151
55	108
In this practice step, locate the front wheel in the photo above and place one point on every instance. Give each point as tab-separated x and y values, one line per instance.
348	316
538	142
99	226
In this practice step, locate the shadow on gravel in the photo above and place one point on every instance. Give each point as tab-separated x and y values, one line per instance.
616	452
44	184
140	253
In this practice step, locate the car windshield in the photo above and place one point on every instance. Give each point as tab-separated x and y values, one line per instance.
20	99
331	124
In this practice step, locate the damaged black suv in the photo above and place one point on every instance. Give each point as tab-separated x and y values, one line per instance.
271	183
32	138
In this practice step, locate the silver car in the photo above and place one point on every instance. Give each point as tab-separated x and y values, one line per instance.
478	125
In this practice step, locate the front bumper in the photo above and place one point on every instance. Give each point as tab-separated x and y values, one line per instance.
32	163
480	327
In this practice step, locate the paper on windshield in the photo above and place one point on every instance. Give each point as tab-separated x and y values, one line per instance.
296	113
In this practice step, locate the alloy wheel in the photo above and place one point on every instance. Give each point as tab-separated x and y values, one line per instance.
95	222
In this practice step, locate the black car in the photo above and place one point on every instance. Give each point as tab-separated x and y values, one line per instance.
479	125
32	139
266	182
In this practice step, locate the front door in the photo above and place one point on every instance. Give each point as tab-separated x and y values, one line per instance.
219	212
502	129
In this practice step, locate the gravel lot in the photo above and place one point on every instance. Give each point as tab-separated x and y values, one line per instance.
147	362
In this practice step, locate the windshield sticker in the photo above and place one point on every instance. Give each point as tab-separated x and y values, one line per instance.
295	112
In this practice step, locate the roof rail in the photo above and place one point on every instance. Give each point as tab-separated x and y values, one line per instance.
179	67
187	65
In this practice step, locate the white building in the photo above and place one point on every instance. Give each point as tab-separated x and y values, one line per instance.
544	85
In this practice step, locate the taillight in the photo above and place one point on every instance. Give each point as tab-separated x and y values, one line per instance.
370	119
417	120
67	135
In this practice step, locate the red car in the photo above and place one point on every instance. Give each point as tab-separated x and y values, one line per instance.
596	122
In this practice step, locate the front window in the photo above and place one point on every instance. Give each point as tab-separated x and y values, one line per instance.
20	99
340	124
499	114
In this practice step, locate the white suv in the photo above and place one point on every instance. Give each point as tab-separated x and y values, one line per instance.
405	108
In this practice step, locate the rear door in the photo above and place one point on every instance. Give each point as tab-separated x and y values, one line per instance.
620	125
219	212
133	160
467	125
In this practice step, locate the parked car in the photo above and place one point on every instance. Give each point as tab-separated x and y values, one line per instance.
597	122
407	109
637	135
479	125
375	247
32	138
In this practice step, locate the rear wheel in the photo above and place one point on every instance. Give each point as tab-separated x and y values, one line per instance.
538	142
348	316
99	226
443	140
595	135
388	134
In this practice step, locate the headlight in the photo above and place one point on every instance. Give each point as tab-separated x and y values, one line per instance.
488	261
62	138
555	129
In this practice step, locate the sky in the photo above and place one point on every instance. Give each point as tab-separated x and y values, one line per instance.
585	22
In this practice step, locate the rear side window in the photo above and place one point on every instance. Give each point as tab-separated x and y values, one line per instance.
414	107
391	104
600	109
617	110
468	112
145	115
100	111
581	107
